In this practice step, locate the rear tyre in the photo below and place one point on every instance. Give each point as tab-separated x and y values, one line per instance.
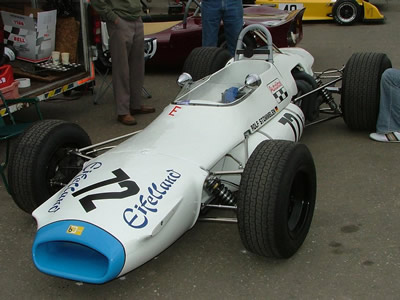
360	94
346	12
203	61
276	198
41	162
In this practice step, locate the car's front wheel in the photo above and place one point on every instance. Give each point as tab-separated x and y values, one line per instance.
42	161
276	198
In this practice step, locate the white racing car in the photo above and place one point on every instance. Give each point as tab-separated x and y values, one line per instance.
228	141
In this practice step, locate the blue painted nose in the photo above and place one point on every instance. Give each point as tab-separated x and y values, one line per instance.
78	251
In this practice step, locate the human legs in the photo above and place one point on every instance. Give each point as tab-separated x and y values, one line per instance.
233	22
120	44
388	123
389	107
136	66
211	18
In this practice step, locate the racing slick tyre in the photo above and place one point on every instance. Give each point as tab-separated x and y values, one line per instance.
346	12
41	162
203	61
276	198
360	93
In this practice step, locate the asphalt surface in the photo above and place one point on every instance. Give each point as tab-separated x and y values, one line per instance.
353	247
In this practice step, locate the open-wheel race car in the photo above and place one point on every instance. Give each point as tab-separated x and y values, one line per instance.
104	210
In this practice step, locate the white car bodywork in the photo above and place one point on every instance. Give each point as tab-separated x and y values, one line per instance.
132	202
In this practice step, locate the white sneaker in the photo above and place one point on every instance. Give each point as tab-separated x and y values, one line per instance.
391	137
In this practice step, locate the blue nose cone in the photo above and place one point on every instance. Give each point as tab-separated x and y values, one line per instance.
78	251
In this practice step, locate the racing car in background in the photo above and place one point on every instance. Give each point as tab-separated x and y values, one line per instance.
344	12
178	34
103	210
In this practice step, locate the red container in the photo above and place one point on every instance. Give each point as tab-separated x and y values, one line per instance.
11	91
6	76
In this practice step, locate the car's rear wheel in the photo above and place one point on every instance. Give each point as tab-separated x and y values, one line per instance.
346	12
276	198
360	95
42	163
203	61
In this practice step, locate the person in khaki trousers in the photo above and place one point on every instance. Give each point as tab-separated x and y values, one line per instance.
125	29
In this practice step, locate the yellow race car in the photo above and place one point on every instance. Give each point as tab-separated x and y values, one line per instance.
344	12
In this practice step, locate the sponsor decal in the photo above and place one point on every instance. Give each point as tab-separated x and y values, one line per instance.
138	215
19	39
77	230
70	188
18	22
278	90
174	110
261	121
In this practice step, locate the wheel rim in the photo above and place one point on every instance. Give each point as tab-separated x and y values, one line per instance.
347	12
299	205
62	167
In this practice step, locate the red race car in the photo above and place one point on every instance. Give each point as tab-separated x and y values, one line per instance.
178	34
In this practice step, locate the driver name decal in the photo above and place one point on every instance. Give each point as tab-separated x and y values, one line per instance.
138	216
74	184
278	90
261	121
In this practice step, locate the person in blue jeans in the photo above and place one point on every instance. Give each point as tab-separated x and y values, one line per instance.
230	12
388	123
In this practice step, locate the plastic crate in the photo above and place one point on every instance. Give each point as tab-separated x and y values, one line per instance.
11	91
6	76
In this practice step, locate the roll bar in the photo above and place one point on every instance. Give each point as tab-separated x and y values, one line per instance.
239	46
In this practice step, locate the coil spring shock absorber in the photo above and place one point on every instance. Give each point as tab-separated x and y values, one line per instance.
327	97
218	189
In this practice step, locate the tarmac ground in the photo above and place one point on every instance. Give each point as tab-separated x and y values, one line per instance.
351	252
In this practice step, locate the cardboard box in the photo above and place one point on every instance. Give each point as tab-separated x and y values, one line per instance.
33	38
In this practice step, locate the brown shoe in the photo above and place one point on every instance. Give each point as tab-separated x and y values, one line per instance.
143	110
127	119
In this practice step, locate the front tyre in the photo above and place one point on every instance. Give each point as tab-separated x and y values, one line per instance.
346	12
42	163
276	198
